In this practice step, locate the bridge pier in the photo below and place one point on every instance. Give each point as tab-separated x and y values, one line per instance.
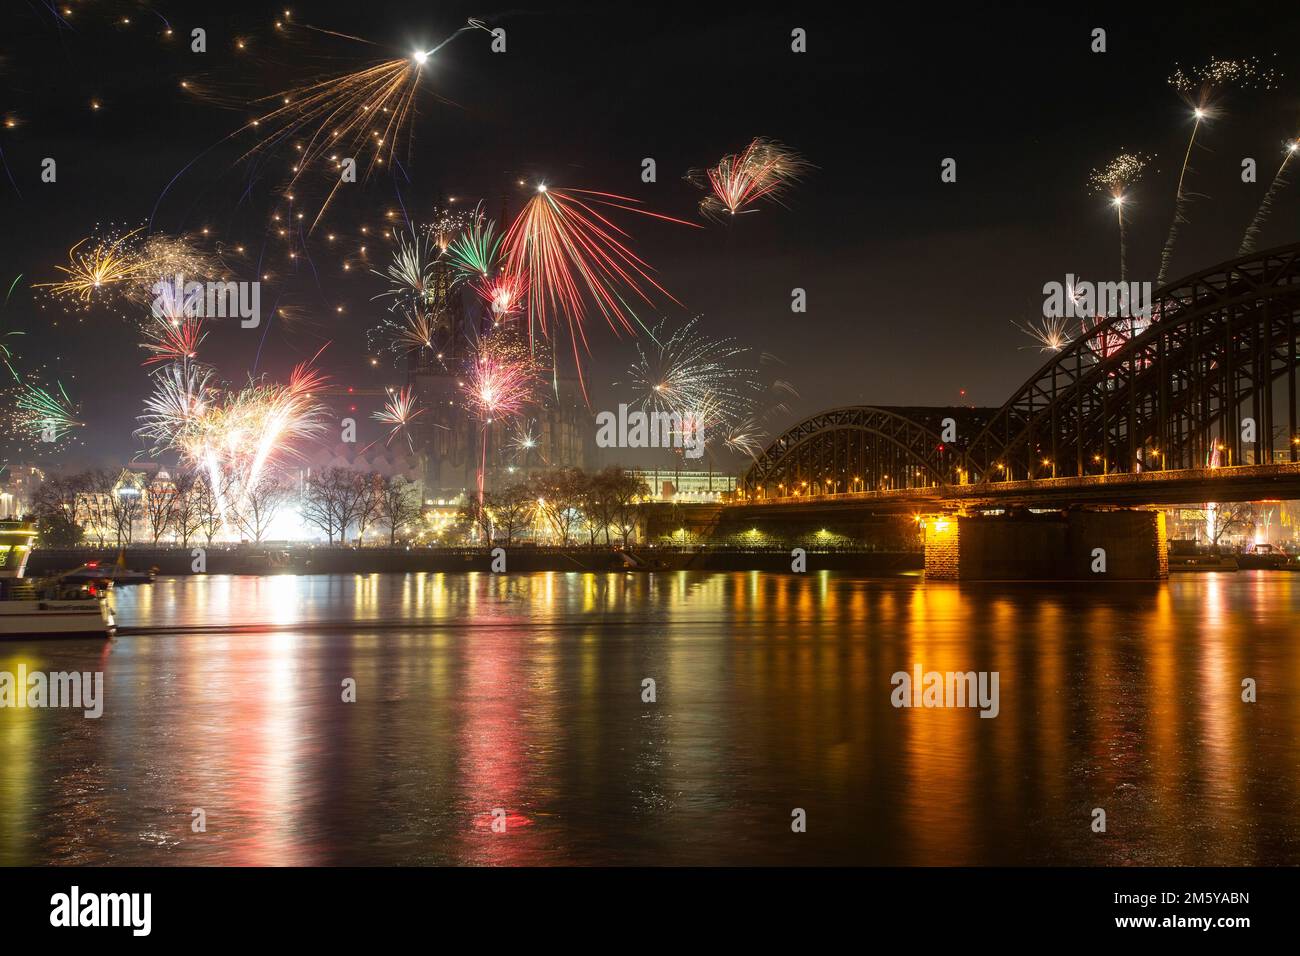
1115	545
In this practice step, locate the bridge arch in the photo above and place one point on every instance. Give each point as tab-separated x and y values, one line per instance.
1219	352
855	448
1172	391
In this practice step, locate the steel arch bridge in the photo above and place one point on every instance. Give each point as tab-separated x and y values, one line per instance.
862	448
1208	380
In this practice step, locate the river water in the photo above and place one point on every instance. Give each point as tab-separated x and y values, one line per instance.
519	699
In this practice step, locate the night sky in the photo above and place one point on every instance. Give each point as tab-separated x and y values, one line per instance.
913	284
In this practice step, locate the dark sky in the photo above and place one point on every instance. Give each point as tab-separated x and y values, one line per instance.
912	283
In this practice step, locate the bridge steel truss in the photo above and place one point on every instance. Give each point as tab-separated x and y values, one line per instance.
858	448
1170	392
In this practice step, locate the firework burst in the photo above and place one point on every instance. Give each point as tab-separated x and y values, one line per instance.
1114	180
504	293
128	265
473	251
44	416
763	170
173	338
745	437
446	225
1050	333
568	252
524	440
410	273
103	262
1245	73
688	374
234	437
399	412
501	380
500	383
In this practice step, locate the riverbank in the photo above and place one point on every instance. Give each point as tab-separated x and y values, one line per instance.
324	560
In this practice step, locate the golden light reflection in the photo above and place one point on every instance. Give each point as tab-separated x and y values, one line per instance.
523	692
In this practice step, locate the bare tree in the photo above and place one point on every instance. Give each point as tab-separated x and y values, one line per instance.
626	493
368	501
399	505
1228	517
208	504
159	507
476	514
55	508
126	505
93	503
256	508
512	509
318	504
559	496
187	516
336	498
58	493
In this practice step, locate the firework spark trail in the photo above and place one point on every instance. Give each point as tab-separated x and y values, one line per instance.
765	169
341	112
337	111
5	163
370	108
568	252
399	412
1205	82
1251	237
5	352
1115	179
1180	204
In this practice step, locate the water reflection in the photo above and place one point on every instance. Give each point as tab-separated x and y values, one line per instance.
522	694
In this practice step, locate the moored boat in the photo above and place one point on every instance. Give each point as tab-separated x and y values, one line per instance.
44	608
108	575
1264	557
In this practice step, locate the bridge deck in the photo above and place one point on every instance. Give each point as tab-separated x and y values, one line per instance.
1173	487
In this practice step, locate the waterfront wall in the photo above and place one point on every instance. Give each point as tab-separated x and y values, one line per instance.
178	561
1064	546
737	527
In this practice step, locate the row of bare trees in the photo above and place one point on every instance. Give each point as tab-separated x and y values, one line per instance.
104	507
101	506
567	505
336	500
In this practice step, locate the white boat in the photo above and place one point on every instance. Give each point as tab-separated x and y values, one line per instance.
44	609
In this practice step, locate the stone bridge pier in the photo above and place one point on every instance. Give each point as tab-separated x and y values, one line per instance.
1116	545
